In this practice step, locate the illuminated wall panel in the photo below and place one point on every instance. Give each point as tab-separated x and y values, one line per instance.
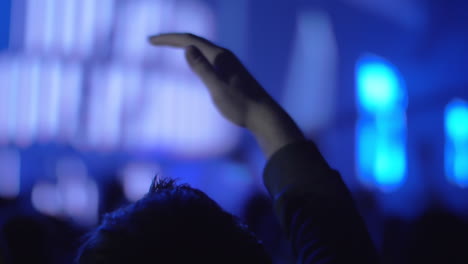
84	73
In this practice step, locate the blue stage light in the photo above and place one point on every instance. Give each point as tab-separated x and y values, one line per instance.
390	165
381	130
365	148
456	145
460	168
456	120
381	153
378	85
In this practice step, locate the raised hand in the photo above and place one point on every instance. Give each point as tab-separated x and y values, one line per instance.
235	92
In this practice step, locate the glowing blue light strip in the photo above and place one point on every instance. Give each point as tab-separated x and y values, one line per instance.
381	130
379	86
456	145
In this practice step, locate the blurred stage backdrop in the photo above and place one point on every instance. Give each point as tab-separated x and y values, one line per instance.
90	112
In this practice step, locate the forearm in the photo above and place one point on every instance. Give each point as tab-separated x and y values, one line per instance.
310	199
272	127
315	208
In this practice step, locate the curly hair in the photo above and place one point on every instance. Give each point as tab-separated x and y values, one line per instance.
171	224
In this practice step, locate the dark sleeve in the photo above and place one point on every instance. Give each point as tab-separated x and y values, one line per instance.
315	208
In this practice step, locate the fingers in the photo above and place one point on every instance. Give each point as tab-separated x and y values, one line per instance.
226	63
203	68
183	40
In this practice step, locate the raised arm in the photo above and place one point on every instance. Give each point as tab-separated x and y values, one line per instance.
312	203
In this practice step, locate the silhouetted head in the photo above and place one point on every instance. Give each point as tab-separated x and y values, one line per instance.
172	224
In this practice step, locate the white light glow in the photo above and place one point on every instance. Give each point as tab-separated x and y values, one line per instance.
137	178
10	169
78	193
310	93
45	198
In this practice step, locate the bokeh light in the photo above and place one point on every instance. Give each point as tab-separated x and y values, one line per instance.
379	86
456	144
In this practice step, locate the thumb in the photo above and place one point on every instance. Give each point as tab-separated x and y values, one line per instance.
202	67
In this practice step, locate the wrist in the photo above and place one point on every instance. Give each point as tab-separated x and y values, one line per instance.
273	128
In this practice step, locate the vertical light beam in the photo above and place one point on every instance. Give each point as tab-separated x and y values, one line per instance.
310	90
456	143
381	129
